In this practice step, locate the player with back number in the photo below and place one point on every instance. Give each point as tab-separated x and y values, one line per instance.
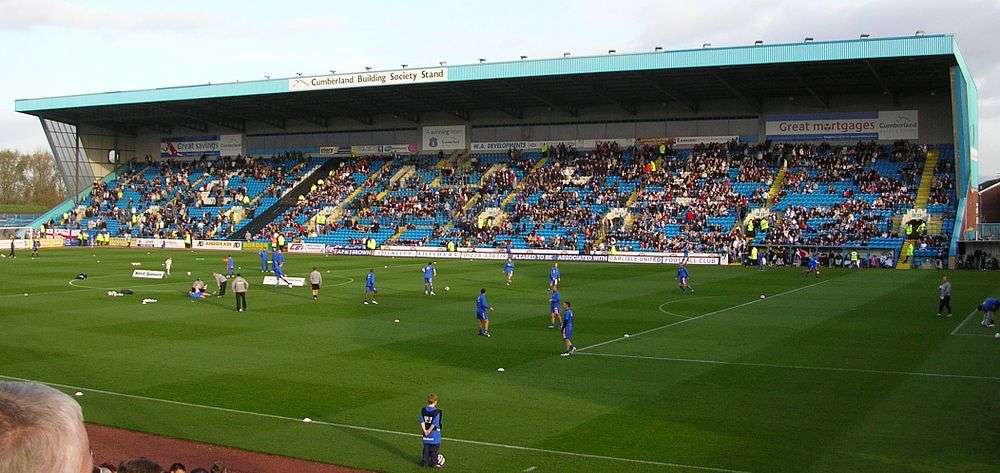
430	433
508	269
554	303
554	276
429	272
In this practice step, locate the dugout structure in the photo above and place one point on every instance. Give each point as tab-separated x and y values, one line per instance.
915	88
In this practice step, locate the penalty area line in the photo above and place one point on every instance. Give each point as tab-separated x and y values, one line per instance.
378	430
797	367
691	319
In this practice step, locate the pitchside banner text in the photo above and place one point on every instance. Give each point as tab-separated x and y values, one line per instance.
886	125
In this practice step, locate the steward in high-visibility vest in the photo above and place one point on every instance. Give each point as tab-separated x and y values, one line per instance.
451	246
370	244
663	149
854	259
281	241
753	255
764	225
187	240
321	219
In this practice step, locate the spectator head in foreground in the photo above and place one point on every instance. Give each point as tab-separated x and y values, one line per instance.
177	468
139	465
41	431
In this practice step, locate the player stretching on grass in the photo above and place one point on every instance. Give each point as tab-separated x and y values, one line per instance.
554	277
370	290
554	309
482	313
989	309
508	269
429	272
567	329
682	278
812	265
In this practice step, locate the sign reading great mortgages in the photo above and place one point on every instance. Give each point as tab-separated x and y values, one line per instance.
198	146
888	125
368	79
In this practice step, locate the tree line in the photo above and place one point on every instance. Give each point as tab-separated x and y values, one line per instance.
29	178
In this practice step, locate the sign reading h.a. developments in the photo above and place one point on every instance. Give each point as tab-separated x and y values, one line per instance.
889	125
368	79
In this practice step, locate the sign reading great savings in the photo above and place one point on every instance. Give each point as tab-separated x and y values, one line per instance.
890	125
368	79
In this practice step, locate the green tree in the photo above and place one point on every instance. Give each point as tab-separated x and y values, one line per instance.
29	178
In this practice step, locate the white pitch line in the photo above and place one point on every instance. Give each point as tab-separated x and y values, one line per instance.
655	329
378	430
966	319
796	367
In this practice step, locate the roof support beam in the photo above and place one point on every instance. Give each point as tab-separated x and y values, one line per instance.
654	83
805	85
441	107
733	90
500	104
547	101
878	78
601	92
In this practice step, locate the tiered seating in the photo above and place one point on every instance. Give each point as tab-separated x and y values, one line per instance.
845	195
170	199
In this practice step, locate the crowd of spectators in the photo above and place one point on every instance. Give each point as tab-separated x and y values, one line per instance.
851	221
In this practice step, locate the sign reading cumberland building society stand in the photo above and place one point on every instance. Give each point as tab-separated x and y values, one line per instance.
368	79
891	125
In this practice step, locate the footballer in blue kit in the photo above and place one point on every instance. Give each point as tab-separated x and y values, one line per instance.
989	309
508	269
429	272
263	260
682	278
554	275
230	266
277	263
482	313
554	301
370	290
567	329
430	433
812	265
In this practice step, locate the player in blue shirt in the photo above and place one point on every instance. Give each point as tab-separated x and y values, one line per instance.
370	290
682	278
989	309
277	264
554	300
429	272
230	266
430	433
567	329
508	269
35	244
554	277
812	265
263	260
482	313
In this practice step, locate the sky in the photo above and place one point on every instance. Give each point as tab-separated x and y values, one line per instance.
60	47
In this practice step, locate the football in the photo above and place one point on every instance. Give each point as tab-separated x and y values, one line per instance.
446	289
440	460
996	335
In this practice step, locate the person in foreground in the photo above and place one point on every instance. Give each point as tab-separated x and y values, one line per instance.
430	432
41	431
567	329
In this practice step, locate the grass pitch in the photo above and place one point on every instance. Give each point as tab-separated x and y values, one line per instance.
848	372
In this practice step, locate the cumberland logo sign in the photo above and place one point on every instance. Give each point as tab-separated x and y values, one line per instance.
368	79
